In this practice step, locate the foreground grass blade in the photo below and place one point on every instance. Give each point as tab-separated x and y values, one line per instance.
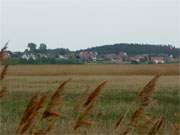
144	95
52	111
89	103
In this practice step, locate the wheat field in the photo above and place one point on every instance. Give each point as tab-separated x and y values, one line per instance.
94	69
116	108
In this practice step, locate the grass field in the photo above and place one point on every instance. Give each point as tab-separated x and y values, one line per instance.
119	95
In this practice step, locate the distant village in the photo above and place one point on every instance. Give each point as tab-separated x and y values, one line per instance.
123	57
85	56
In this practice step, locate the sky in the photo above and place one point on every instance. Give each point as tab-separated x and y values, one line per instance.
78	24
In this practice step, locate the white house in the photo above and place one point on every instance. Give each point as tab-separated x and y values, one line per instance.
28	56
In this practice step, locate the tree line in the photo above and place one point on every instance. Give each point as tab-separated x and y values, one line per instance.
135	49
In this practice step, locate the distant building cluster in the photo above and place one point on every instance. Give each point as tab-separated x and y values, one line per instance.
123	57
88	55
42	54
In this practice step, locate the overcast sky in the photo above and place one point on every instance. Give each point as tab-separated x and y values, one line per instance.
77	24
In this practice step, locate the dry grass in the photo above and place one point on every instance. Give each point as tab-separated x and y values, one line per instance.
120	94
49	115
81	99
109	69
79	83
3	91
81	120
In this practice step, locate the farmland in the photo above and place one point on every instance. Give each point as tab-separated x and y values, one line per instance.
124	82
93	69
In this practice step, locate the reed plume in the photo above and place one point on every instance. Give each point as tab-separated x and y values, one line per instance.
133	120
121	117
52	112
119	121
3	72
87	122
156	127
29	108
144	95
146	124
94	94
30	113
3	51
147	91
82	115
176	129
88	105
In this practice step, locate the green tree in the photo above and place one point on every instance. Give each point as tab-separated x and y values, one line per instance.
43	47
32	47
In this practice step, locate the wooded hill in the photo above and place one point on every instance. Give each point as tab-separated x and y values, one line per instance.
134	49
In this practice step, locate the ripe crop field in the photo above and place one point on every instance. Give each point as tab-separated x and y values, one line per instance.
92	69
113	106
